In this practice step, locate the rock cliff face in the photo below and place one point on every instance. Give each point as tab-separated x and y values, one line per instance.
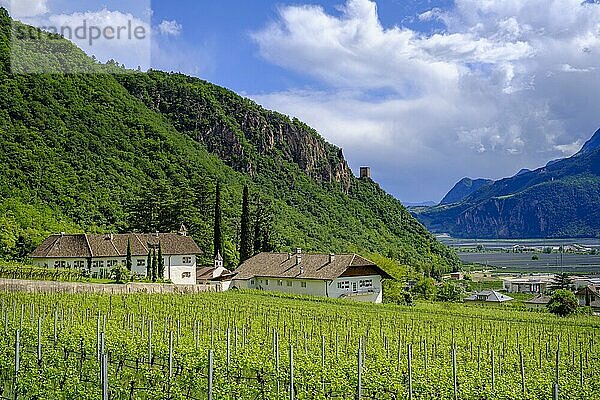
237	130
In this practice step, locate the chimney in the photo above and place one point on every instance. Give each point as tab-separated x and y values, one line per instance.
156	233
299	257
331	258
62	234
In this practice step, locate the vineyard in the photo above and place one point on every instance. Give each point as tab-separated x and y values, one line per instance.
238	345
19	271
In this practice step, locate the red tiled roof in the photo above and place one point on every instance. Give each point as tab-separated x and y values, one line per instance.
113	245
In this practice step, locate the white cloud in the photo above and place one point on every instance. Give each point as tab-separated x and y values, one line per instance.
170	28
25	8
108	34
495	92
570	148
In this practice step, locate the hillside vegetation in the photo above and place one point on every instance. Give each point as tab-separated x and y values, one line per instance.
131	151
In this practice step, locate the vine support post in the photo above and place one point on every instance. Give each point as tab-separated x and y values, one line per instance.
210	374
360	364
493	371
522	370
410	387
104	373
454	374
323	364
17	363
39	342
277	360
170	354
292	394
228	339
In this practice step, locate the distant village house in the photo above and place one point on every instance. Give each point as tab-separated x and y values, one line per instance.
488	297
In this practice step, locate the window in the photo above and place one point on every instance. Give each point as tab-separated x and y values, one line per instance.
60	264
79	264
280	283
187	260
252	281
98	264
141	263
111	263
289	283
186	275
303	284
344	285
266	282
367	283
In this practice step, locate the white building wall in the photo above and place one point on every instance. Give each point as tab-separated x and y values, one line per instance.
284	285
360	288
355	291
179	269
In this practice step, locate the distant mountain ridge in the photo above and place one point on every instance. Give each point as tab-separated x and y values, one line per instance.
463	189
561	199
591	145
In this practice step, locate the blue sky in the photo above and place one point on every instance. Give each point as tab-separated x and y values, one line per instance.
223	30
425	92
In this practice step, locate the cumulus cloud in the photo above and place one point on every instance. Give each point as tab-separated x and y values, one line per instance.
505	85
25	8
170	28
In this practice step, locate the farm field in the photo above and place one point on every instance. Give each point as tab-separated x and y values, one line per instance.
497	244
498	254
522	262
257	346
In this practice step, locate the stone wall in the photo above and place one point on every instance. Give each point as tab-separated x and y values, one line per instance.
15	285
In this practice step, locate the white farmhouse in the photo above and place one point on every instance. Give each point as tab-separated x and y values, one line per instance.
329	275
99	253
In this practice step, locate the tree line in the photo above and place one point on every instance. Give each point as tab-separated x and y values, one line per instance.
162	207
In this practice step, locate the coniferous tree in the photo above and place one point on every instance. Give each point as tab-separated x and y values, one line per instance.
161	263
154	265
217	233
128	261
257	245
245	235
561	281
149	265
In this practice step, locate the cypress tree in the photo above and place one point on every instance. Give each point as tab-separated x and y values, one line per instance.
149	265
217	235
257	245
154	265
245	235
128	262
161	263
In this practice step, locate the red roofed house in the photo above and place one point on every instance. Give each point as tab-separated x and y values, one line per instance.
329	275
99	253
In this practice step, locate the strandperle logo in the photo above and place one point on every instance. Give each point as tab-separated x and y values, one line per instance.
107	31
86	32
